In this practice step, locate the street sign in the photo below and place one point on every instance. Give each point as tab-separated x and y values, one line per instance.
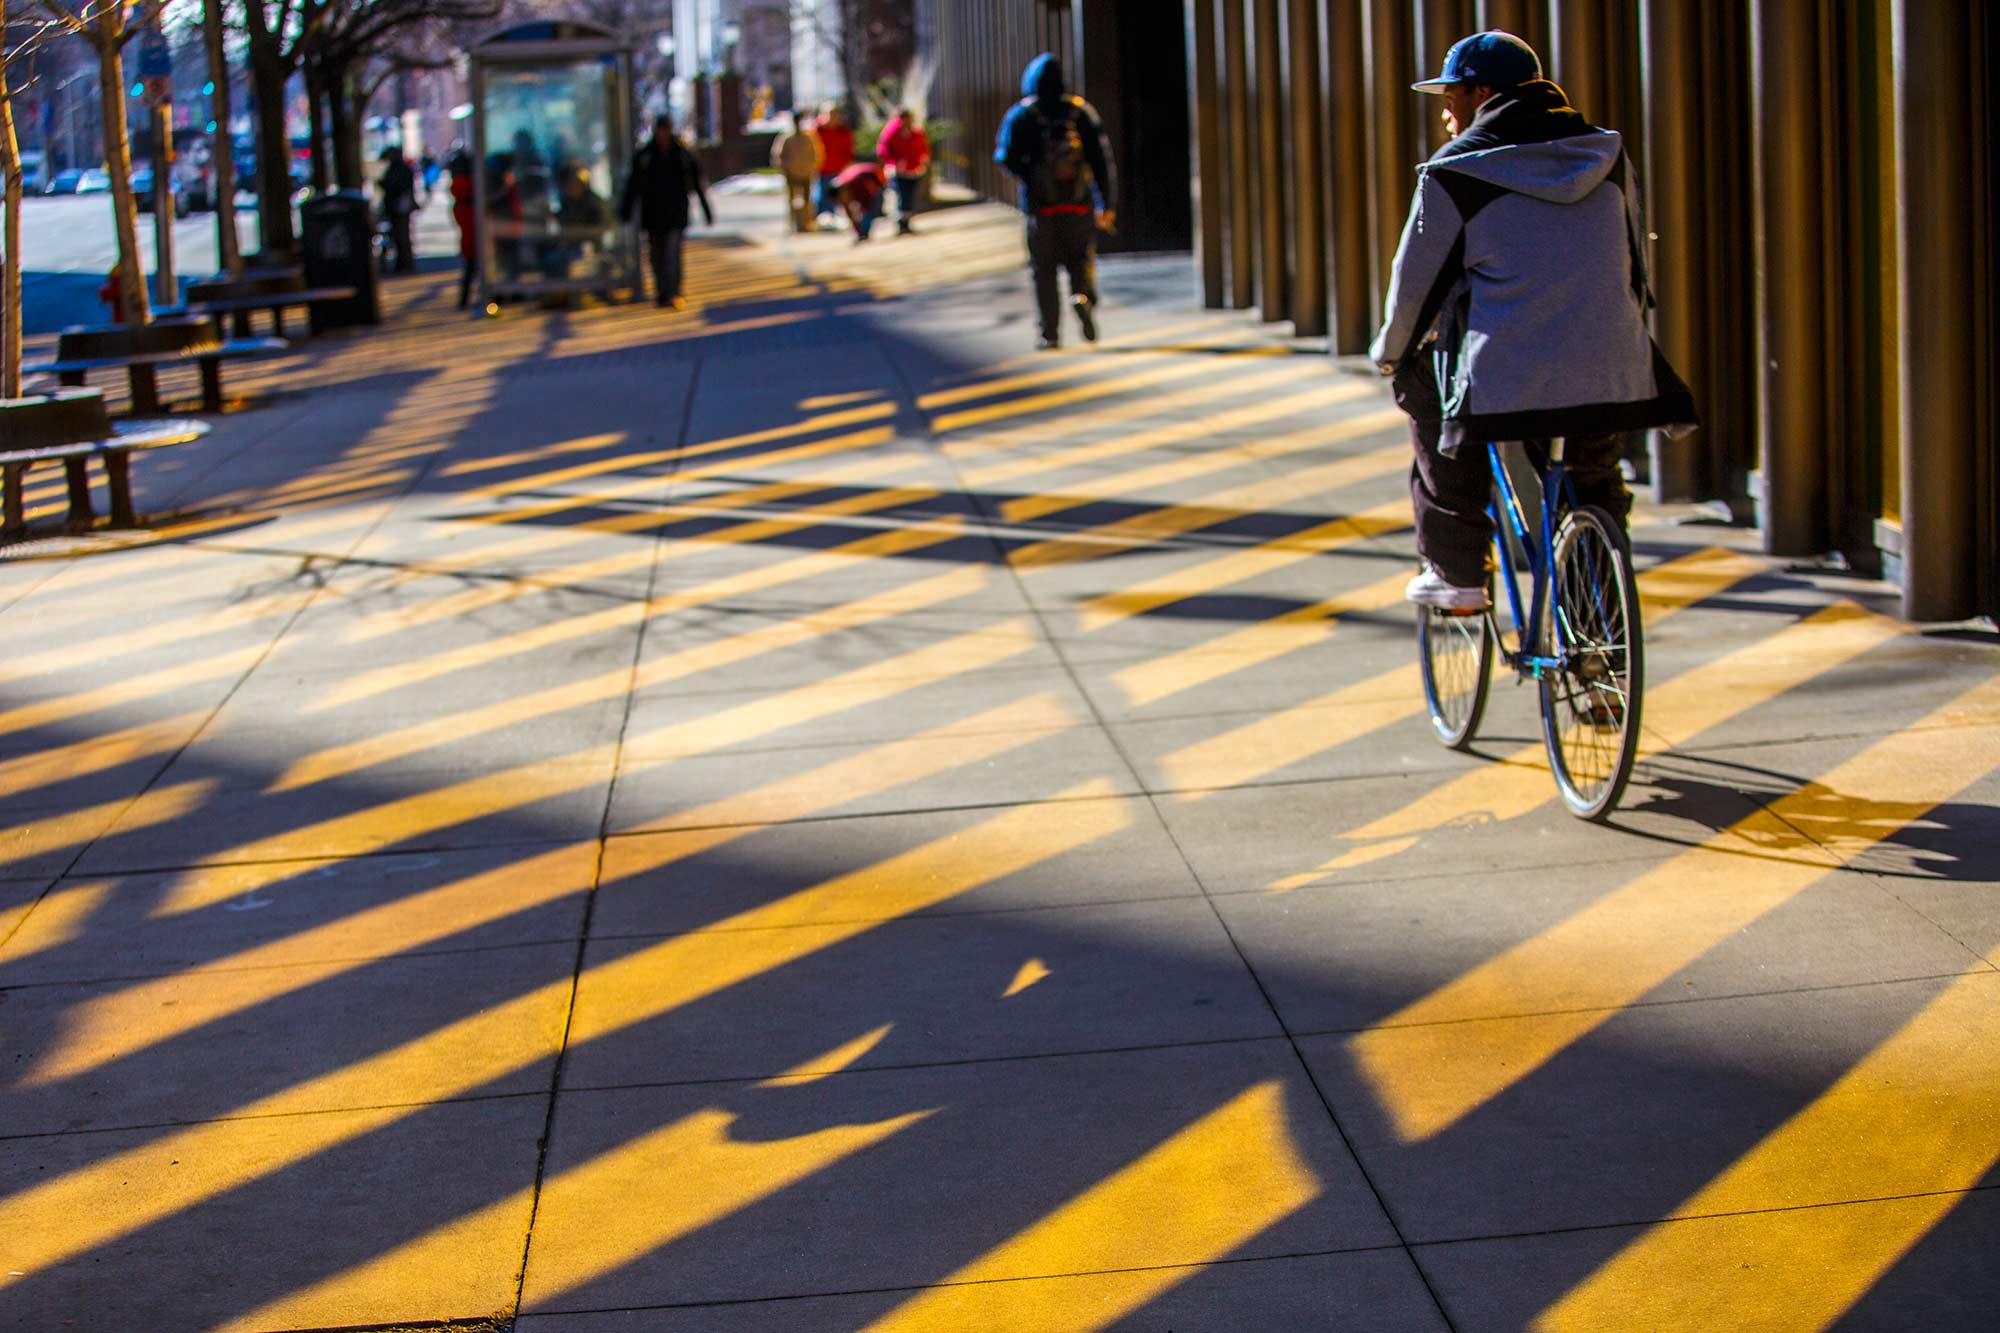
155	60
156	68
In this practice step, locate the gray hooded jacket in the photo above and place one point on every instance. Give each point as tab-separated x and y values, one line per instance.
1525	259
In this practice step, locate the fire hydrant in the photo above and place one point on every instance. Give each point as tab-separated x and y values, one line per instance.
112	293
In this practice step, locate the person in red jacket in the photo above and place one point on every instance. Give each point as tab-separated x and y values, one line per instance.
836	153
905	149
464	213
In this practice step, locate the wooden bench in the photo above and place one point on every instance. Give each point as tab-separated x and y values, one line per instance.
272	290
71	427
141	349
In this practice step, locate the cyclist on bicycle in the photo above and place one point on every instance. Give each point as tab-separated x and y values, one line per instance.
1516	308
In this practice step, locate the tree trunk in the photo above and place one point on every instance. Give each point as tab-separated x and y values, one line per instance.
118	163
316	114
274	150
224	161
350	108
10	240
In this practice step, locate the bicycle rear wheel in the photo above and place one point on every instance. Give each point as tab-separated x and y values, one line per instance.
1457	656
1590	706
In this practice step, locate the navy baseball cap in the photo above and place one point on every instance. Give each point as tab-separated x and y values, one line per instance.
1496	59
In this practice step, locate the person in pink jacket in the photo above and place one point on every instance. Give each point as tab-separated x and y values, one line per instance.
905	149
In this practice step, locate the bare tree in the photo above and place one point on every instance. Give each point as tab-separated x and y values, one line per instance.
107	25
10	239
228	252
360	44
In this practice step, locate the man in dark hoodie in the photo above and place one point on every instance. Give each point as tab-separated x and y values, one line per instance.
1054	146
1517	307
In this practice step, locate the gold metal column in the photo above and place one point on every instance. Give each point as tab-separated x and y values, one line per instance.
1236	102
1526	19
1439	24
1308	172
1672	183
1944	261
1788	85
1204	98
1392	140
1347	211
1273	278
1577	56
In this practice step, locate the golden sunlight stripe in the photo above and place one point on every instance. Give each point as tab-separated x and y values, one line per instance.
1157	678
875	546
1011	467
324	765
1193	1199
58	764
1802	1226
1431	1063
59	1219
46	834
637	556
1243	565
119	1023
1265	495
132	689
1221	457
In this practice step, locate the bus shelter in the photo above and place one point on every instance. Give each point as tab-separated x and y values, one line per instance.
552	135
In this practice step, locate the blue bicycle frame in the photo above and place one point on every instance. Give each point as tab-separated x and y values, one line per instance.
1532	657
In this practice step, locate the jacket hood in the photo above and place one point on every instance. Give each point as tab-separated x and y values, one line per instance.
1561	171
1043	79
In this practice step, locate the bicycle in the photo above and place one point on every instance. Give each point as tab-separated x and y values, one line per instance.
1581	640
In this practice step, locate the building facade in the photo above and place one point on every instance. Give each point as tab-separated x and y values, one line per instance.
1818	190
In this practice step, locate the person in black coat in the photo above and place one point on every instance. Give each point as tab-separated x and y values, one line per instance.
664	173
399	203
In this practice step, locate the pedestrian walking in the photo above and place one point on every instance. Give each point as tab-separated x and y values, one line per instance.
399	204
465	213
664	173
796	156
857	192
1517	307
1053	144
836	154
905	149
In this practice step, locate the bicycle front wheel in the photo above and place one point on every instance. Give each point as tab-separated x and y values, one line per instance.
1457	656
1590	705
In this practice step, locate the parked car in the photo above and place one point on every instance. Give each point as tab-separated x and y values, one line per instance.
94	180
32	171
142	193
64	182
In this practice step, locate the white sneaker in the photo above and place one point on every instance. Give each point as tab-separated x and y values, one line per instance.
1429	589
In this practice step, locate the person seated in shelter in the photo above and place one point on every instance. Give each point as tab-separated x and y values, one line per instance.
857	192
581	216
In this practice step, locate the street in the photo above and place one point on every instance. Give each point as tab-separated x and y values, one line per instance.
68	245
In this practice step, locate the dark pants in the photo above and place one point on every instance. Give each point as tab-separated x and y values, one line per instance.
1067	241
1450	495
664	249
399	241
906	200
823	197
465	280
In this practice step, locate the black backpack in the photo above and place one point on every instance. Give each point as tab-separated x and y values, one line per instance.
1061	175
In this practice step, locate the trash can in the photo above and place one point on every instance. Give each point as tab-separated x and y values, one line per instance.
340	252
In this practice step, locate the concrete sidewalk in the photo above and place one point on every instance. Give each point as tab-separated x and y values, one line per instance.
800	814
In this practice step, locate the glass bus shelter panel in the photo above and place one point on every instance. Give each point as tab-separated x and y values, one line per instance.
553	176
